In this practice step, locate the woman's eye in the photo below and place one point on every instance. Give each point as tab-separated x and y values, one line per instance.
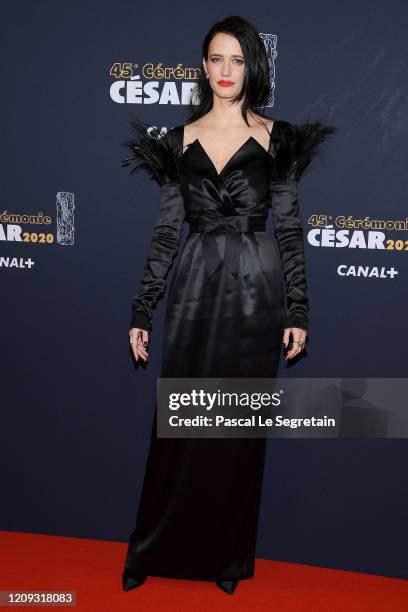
216	59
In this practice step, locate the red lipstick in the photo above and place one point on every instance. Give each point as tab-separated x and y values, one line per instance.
225	83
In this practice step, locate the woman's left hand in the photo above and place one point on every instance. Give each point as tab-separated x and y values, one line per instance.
299	335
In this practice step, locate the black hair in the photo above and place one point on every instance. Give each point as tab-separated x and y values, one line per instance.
256	89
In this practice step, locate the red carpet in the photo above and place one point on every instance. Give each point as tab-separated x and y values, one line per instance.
93	569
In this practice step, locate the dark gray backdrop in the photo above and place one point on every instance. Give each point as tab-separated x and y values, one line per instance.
76	413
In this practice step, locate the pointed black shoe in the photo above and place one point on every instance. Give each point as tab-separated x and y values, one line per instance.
228	586
130	581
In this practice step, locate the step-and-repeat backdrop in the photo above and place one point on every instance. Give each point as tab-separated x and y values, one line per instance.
75	227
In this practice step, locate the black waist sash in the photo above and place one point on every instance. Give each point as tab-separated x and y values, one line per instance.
233	226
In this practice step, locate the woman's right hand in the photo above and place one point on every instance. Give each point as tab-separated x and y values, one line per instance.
139	339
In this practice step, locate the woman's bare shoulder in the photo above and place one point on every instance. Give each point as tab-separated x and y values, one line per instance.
191	130
264	120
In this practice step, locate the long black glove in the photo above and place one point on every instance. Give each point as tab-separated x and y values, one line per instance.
159	156
293	148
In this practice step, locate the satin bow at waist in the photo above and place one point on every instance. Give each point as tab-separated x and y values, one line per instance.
233	226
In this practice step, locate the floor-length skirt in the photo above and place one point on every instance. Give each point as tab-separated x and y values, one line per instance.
199	507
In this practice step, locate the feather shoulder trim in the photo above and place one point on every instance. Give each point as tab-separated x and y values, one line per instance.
296	145
156	154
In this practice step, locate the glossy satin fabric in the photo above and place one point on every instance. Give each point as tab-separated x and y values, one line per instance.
198	513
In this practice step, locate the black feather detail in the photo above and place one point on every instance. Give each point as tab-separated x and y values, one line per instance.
296	146
153	152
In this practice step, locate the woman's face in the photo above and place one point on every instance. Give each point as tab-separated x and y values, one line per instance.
225	66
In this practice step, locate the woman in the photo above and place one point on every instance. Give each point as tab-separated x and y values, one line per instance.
235	296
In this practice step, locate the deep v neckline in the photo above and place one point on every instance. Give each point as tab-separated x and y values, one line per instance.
196	141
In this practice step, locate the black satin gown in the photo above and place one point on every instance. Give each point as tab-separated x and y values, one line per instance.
233	290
